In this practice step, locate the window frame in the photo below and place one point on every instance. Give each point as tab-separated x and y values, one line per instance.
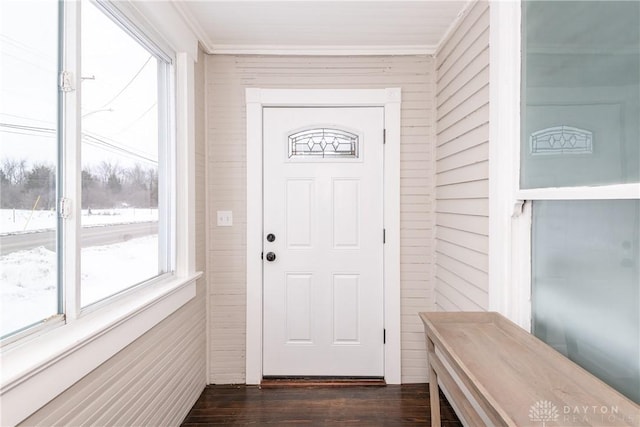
57	353
510	216
166	160
69	167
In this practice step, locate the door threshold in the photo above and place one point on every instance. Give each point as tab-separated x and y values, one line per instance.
321	382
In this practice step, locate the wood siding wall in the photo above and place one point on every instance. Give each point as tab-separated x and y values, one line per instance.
156	379
227	78
462	164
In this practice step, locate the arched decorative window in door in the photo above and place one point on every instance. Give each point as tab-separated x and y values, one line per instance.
324	142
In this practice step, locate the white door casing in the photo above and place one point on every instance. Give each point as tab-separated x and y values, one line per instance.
257	101
323	292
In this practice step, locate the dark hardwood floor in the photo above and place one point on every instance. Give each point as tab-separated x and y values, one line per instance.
391	405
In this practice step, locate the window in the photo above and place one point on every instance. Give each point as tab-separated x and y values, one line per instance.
586	291
87	211
28	164
580	167
324	142
123	150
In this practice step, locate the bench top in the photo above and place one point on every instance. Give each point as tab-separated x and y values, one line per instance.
521	376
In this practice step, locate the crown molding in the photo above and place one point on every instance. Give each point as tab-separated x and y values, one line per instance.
330	50
454	25
194	24
309	50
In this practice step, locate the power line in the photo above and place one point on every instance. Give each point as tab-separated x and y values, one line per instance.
97	141
26	47
132	122
26	118
31	128
50	68
25	133
94	140
128	83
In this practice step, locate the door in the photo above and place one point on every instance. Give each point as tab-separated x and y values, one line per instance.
323	242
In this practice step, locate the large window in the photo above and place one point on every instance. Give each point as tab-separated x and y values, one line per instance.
87	212
28	164
580	166
124	149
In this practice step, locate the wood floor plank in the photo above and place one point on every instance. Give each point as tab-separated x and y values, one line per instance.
391	405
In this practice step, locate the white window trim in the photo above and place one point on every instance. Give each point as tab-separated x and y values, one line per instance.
38	367
71	157
605	192
509	261
256	100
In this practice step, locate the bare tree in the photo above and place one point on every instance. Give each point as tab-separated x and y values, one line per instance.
105	171
9	169
106	185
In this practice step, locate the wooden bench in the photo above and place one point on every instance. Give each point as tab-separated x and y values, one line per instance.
511	378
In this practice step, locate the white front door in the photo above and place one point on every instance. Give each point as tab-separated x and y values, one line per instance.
323	222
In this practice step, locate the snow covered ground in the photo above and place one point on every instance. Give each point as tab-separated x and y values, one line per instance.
24	220
28	293
28	278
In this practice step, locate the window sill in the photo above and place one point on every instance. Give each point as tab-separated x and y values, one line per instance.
35	372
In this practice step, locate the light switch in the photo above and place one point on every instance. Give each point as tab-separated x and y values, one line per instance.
225	218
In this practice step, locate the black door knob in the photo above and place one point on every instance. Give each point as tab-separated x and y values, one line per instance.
271	256
271	237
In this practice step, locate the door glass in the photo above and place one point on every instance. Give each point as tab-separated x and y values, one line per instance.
581	93
323	143
28	163
586	286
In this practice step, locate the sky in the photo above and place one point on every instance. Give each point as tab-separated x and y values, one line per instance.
118	87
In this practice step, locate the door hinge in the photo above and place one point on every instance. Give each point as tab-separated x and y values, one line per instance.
384	336
261	255
384	136
384	236
66	81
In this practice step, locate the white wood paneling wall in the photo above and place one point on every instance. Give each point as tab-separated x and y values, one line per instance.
227	78
462	164
155	380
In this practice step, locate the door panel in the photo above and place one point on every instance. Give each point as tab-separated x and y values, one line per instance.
323	200
299	212
346	213
346	308
298	319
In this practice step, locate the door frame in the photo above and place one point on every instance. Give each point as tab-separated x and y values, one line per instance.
256	100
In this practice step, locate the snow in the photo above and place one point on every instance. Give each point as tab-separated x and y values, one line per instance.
23	220
28	278
109	269
28	292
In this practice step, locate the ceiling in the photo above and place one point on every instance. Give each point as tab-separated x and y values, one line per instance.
321	26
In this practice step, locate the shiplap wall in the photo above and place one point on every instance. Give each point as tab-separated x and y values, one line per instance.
156	379
227	78
462	164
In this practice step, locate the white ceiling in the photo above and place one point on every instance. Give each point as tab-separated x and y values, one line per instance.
321	26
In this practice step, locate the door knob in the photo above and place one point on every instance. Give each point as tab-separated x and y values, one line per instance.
271	256
271	237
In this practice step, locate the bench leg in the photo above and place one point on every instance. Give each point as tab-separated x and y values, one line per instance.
434	394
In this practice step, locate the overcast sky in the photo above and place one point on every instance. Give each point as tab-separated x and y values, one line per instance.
119	105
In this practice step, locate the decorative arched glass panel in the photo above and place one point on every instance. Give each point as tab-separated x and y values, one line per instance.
324	142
